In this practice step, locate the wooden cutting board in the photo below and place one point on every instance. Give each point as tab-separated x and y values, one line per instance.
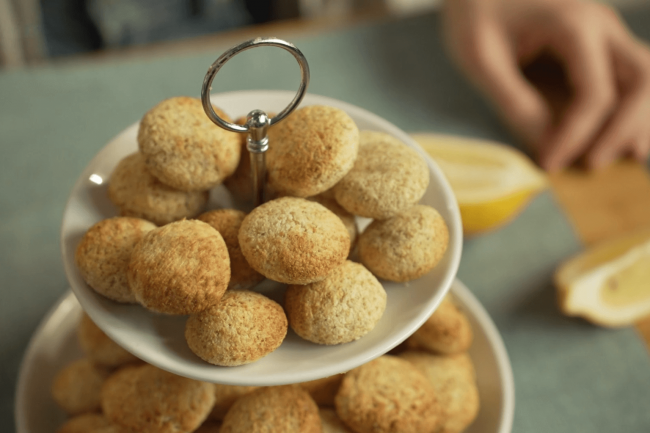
605	204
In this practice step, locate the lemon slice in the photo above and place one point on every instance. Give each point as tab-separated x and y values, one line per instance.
608	284
492	182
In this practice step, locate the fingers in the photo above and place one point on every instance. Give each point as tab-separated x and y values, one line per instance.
492	65
588	65
628	131
642	150
622	133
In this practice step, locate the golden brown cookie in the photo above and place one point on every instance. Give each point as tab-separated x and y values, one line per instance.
243	327
86	423
406	246
311	150
293	240
76	388
323	390
343	307
148	399
183	148
240	183
331	421
99	348
103	254
454	380
180	268
139	194
225	396
350	223
388	177
285	409
227	222
447	331
388	394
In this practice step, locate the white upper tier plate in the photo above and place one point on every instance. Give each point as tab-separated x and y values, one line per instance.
159	339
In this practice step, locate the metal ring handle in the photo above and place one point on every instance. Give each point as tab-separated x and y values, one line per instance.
218	64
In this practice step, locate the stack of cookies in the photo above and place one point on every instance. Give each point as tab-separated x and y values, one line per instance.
166	253
415	389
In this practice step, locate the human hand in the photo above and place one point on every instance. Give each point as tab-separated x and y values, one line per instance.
608	72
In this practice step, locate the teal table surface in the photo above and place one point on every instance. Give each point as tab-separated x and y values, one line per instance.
569	376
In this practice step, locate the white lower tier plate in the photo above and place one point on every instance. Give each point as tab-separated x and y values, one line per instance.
54	345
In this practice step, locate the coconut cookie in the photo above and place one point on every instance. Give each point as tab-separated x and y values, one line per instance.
139	194
388	394
331	421
311	150
447	331
76	388
343	307
243	327
148	399
88	423
350	223
180	268
240	183
406	246
293	240
388	177
184	149
99	348
454	380
227	222
103	254
225	397
323	390
287	409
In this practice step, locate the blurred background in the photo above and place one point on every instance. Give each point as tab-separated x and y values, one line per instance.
35	31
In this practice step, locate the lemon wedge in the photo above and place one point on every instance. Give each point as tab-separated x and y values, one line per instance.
492	182
608	284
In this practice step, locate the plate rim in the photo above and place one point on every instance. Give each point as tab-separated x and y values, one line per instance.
506	374
68	303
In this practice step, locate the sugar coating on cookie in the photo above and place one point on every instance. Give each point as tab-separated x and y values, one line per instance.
331	421
454	380
184	149
311	150
293	240
388	394
99	348
388	177
227	222
349	221
180	268
287	409
76	388
243	327
343	307
447	331
137	193
406	246
225	397
323	390
103	254
147	398
86	423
